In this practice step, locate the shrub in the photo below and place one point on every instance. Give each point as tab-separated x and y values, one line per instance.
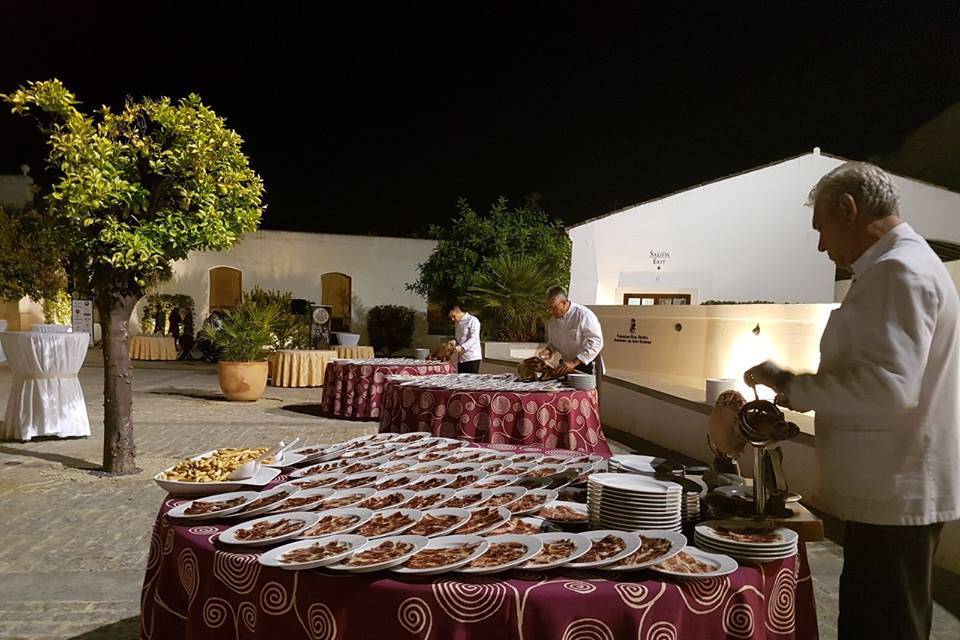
291	331
509	298
390	327
245	333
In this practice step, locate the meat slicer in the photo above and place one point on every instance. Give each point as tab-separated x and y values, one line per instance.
763	426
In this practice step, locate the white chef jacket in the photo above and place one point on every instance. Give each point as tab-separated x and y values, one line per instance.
886	391
467	335
576	334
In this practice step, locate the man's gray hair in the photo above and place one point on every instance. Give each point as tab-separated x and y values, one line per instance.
556	292
869	186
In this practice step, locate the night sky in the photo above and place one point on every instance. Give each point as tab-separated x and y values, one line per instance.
374	118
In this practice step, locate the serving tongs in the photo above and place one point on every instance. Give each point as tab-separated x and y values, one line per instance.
250	468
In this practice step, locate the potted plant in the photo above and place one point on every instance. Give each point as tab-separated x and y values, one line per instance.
244	337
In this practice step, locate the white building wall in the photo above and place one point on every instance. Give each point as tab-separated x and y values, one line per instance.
747	237
379	267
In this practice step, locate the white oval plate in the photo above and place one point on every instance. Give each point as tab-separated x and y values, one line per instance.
413	514
526	457
362	494
288	460
513	493
467	479
261	478
495	482
678	542
575	506
307	520
788	537
726	565
461	467
632	541
285	507
549	496
272	558
582	542
484	495
446	478
318	469
363	466
418	542
534	546
363	514
365	479
449	541
463	515
444	495
400	465
386	492
242	513
504	516
178	511
427	468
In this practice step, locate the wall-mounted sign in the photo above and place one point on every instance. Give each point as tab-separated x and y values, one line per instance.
632	336
82	317
659	258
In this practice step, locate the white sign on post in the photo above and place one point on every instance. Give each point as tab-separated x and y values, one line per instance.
83	317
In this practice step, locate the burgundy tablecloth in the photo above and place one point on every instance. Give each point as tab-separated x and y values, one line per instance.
196	588
355	390
554	420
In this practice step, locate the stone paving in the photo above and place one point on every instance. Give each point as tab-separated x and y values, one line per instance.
73	545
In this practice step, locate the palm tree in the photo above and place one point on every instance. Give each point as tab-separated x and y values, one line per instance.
510	293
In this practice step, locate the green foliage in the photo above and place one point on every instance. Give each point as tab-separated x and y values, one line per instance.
390	327
140	187
245	333
58	308
466	248
509	298
29	252
291	331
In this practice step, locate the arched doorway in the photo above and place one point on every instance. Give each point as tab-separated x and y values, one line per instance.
226	288
336	291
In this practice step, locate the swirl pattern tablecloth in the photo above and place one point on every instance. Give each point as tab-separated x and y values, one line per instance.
194	587
354	390
553	420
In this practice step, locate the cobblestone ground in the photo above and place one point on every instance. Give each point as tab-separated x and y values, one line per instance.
73	545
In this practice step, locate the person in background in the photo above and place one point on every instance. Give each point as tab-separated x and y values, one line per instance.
574	332
886	402
466	338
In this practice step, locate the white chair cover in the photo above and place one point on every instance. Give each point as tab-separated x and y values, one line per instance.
45	394
51	328
3	327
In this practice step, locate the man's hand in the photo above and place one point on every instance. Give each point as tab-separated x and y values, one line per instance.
459	349
769	375
568	365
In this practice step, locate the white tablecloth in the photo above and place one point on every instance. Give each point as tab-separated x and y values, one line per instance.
51	328
45	394
3	327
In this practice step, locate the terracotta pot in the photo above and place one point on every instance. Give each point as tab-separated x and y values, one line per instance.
242	381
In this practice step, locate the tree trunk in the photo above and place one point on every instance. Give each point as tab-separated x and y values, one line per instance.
118	447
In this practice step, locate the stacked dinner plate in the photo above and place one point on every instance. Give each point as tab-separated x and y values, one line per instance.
629	502
690	507
756	541
582	381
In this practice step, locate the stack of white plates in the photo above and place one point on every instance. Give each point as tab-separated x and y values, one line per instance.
690	507
582	381
747	539
631	463
630	502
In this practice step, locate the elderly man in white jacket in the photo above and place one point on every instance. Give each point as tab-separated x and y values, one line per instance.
886	402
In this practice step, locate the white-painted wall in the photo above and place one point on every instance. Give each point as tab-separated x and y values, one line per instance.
379	267
746	237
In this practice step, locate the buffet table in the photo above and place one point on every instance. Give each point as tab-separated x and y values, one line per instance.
563	419
299	367
153	348
45	395
353	352
195	587
354	390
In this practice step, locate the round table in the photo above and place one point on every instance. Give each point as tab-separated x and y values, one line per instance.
354	390
45	395
51	328
568	419
299	367
153	348
197	587
354	352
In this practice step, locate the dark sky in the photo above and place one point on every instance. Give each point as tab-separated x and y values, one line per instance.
375	117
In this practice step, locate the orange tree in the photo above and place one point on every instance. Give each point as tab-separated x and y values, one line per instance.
136	189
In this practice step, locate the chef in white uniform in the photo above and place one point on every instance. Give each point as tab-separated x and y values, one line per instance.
574	332
886	402
466	339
